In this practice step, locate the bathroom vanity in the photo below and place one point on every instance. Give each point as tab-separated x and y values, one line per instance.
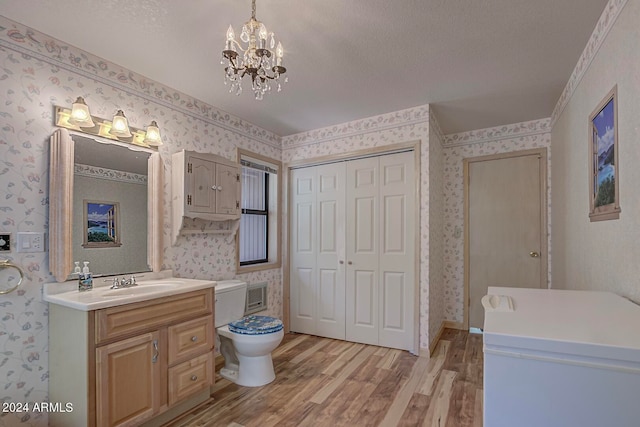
132	355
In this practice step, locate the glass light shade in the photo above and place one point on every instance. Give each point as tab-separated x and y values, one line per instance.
152	136
262	33
120	126
80	115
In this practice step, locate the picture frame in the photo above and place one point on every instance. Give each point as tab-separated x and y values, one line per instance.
604	172
101	224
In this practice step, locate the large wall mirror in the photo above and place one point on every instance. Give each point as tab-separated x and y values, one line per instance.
105	206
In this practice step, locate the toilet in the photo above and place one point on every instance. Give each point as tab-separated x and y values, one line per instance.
246	342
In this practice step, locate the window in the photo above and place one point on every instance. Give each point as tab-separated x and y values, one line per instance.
254	221
259	234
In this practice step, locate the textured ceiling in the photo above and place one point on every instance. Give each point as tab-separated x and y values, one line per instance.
478	63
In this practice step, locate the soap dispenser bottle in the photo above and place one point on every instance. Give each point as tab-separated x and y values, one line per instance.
77	269
85	281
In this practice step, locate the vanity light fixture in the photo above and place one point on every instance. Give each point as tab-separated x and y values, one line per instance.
79	119
120	126
263	64
80	115
152	137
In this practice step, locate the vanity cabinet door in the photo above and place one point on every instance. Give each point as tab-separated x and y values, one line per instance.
128	380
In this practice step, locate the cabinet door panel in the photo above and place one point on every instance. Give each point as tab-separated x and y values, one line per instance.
201	173
227	189
127	381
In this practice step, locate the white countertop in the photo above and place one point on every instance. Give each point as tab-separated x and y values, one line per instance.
66	294
592	323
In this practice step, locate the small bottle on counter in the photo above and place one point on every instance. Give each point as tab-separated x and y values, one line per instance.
85	281
77	269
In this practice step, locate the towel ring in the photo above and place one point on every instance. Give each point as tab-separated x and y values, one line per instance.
6	264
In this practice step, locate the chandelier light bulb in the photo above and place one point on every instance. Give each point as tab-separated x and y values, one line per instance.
230	34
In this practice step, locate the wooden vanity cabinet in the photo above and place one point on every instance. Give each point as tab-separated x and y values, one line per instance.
141	360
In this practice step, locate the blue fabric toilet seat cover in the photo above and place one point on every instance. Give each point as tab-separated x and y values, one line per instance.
256	325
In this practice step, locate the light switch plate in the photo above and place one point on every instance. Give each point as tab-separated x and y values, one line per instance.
30	241
5	242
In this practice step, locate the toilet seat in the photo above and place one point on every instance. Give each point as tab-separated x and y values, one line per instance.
256	325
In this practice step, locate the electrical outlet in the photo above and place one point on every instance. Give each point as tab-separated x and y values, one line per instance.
5	242
30	241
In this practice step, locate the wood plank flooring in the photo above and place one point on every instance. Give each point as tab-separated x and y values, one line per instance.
326	382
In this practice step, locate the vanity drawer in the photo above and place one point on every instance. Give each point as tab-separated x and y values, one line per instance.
127	319
190	377
188	339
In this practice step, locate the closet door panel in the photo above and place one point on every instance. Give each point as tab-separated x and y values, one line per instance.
330	200
303	272
362	233
397	250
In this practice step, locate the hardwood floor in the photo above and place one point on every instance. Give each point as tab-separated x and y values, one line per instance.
325	382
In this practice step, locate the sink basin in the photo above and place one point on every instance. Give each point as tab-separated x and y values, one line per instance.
103	296
140	289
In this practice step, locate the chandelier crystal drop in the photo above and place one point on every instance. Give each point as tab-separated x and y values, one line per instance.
254	59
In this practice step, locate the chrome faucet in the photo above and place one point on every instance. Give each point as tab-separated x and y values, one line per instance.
122	283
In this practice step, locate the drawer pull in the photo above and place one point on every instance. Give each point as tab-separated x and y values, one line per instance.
194	378
194	338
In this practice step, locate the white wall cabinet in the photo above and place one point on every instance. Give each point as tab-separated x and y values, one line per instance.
352	268
204	186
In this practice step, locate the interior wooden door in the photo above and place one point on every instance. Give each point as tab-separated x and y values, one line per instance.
397	250
303	249
330	207
505	224
363	250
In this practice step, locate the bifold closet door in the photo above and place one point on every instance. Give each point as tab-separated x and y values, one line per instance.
317	251
352	250
380	250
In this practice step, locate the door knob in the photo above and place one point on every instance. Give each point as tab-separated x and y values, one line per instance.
534	254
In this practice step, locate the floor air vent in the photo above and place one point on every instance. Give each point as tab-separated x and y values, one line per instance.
256	298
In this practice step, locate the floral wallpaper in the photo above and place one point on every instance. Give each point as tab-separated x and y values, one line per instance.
393	128
36	73
502	139
436	230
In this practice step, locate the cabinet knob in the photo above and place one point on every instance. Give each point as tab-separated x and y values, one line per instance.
341	262
219	187
213	187
350	263
194	377
194	338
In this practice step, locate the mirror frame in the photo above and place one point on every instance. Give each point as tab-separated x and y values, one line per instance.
61	166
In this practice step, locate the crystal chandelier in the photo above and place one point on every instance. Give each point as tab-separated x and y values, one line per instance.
262	64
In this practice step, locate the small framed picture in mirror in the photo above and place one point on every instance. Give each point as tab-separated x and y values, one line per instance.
101	224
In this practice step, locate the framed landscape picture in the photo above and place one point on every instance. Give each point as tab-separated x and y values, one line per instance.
101	224
604	175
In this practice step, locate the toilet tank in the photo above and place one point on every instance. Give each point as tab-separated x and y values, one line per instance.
230	301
